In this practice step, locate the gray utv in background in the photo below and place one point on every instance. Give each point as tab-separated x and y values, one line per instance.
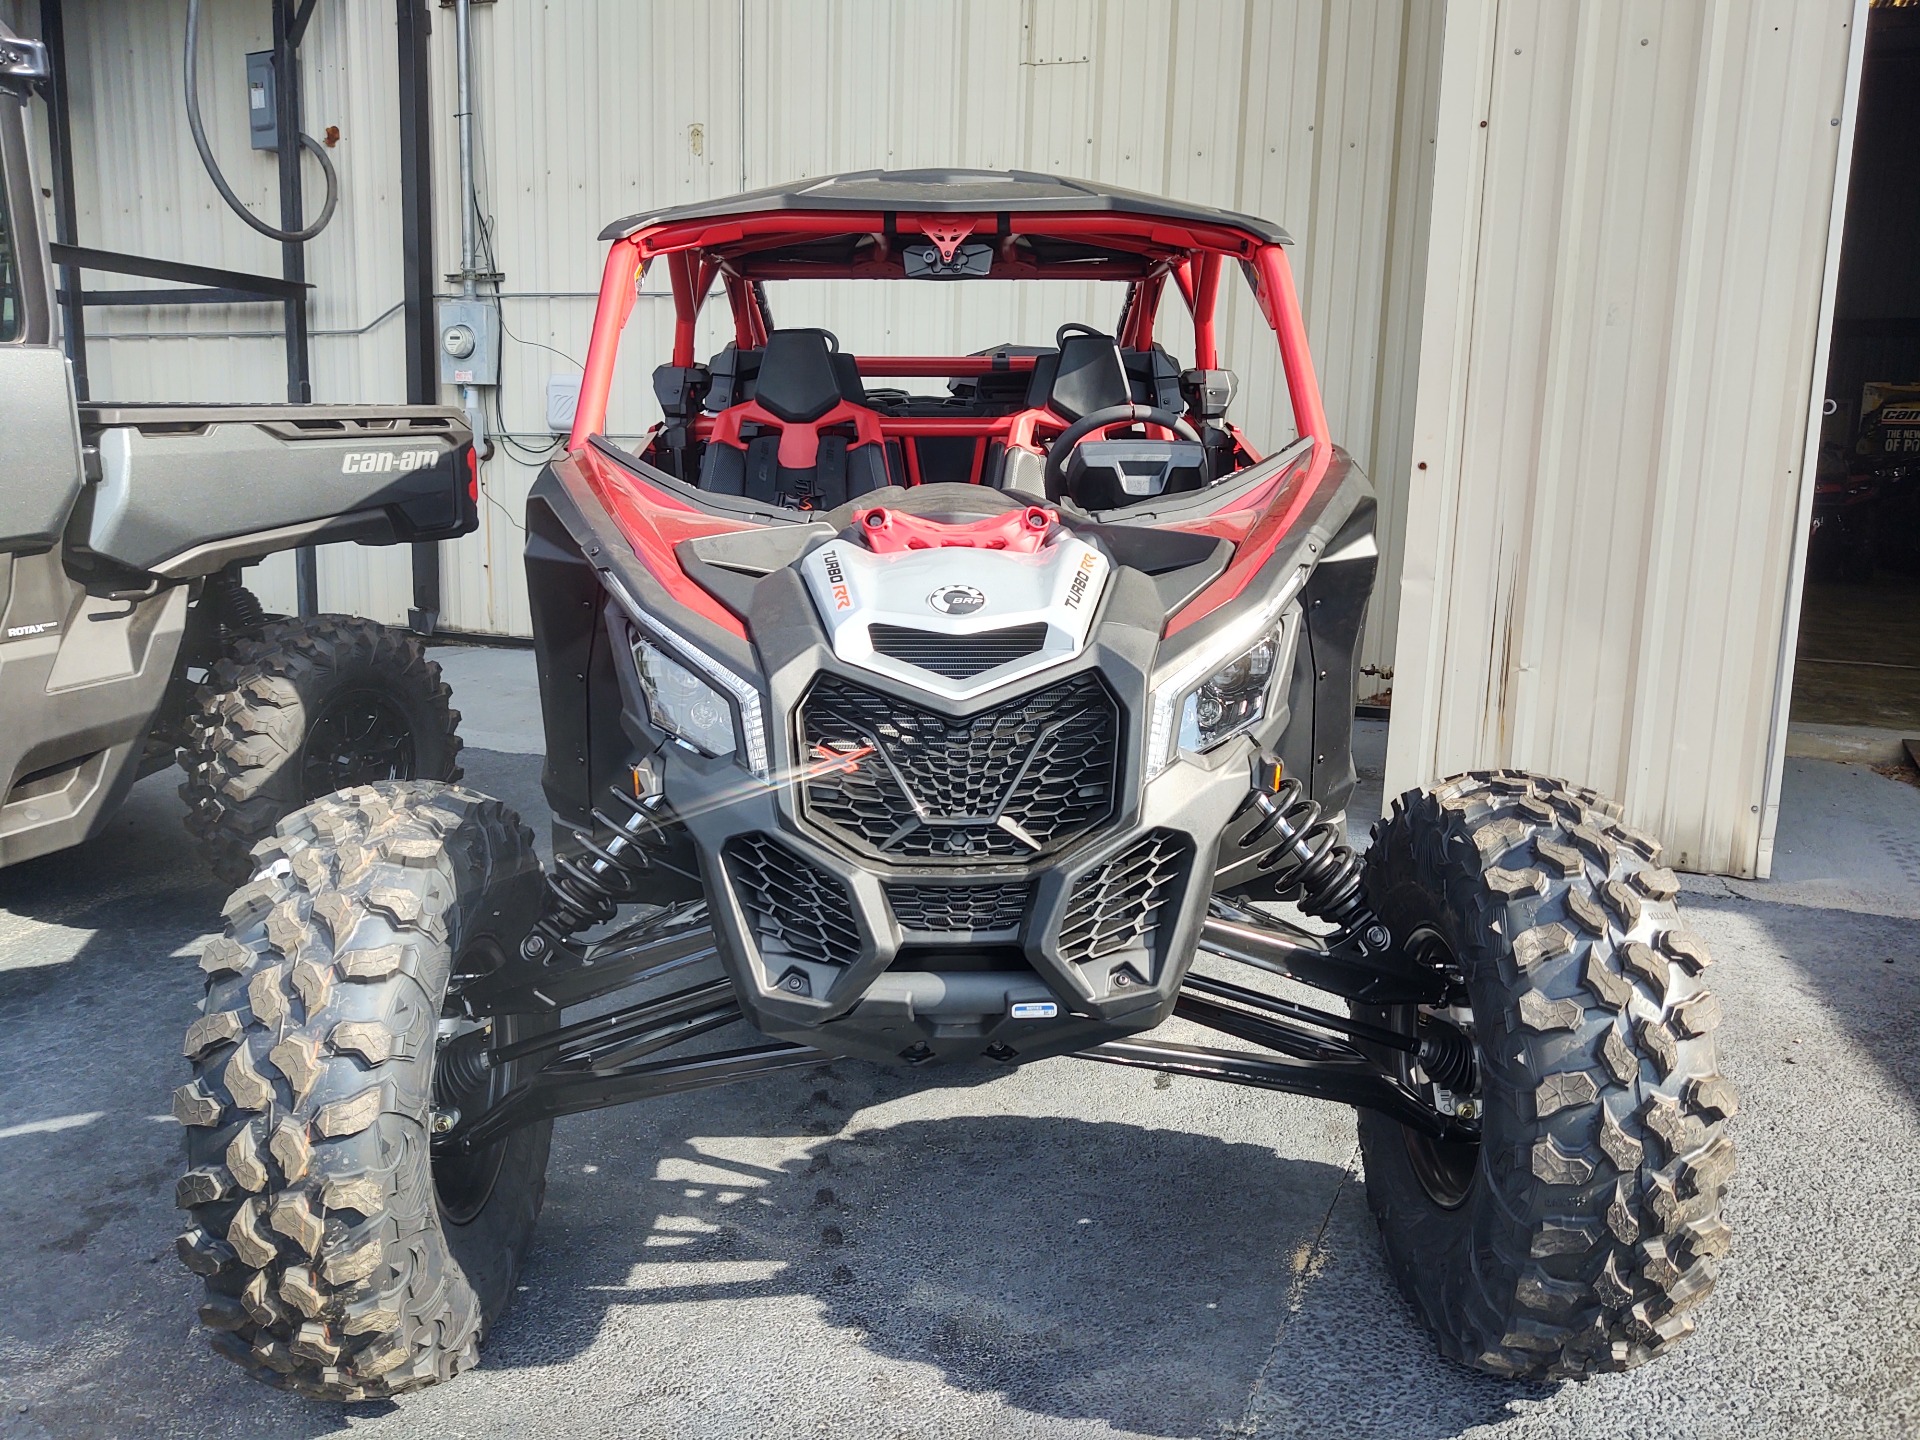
127	639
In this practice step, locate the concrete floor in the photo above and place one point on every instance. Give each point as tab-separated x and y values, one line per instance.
1859	654
1068	1250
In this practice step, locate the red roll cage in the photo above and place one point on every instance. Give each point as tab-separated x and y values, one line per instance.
739	251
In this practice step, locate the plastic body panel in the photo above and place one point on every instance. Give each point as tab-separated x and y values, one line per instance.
40	472
185	490
80	679
584	575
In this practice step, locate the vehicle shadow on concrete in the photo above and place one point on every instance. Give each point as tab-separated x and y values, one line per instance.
1074	1269
1161	1281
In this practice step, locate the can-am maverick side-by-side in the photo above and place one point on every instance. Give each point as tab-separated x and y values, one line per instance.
948	724
128	639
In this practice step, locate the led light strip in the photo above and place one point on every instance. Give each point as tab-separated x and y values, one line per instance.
746	696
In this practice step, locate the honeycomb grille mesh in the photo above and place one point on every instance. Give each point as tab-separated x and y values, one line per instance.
1123	904
1015	781
959	907
797	911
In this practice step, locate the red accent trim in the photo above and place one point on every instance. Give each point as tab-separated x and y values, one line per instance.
891	532
681	268
749	325
1206	347
910	448
1271	509
1135	331
1199	281
1018	429
654	521
737	234
473	475
616	303
943	365
1259	521
946	238
979	460
1282	304
1015	267
732	231
799	439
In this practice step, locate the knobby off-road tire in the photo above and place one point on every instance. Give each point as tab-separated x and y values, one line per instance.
1590	1223
335	1264
251	734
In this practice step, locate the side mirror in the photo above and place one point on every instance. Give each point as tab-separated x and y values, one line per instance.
23	63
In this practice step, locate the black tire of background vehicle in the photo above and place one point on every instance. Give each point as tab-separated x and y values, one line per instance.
331	1268
248	729
1592	1225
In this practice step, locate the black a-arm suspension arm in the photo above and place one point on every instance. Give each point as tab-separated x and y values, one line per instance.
606	1059
1356	1082
1310	1051
613	1057
1367	964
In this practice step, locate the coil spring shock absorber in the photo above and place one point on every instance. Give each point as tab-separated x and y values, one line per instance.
236	607
586	888
1311	861
1313	865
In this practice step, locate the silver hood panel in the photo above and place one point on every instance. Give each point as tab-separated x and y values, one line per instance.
960	592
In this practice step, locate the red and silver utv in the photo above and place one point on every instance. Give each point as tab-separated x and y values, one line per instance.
942	709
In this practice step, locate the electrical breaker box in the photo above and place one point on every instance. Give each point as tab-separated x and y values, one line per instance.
263	102
469	343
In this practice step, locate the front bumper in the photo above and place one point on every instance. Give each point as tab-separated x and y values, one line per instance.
888	962
840	936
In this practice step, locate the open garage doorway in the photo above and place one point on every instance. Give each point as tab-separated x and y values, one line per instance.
1856	686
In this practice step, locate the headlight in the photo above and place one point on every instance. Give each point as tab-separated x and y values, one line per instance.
1233	698
1223	686
683	704
683	685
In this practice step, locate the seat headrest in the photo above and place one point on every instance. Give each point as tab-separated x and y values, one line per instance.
798	378
1091	376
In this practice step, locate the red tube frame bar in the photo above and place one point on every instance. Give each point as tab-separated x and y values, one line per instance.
1205	249
943	366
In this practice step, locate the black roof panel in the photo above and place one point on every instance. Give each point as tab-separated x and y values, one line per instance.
958	191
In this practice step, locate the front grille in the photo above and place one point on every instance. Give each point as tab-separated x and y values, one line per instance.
1122	904
796	910
1015	781
998	906
958	657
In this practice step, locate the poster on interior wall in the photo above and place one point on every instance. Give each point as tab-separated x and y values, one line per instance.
1889	418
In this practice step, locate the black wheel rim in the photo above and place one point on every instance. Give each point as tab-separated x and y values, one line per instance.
463	1180
1446	1169
358	737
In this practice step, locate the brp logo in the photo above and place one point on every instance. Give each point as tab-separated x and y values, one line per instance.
957	599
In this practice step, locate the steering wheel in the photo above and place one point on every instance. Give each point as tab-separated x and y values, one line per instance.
1106	419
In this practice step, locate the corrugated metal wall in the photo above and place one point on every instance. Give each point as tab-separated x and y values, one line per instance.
140	188
1316	113
1628	243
